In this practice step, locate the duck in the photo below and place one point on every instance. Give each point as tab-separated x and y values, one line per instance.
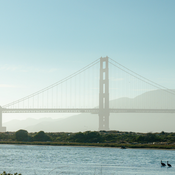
123	147
162	164
169	165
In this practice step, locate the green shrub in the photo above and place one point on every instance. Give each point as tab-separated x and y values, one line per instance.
41	136
21	135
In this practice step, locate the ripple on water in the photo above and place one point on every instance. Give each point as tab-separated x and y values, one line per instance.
37	160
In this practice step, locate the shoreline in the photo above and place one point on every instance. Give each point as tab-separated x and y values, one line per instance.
109	145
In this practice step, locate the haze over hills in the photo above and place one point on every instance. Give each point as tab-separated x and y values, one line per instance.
151	100
14	125
135	122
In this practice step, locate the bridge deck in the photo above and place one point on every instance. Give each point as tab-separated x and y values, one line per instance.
84	110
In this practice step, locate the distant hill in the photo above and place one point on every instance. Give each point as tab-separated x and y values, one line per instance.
15	125
81	122
151	99
123	122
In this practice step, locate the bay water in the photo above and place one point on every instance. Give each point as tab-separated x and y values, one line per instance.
69	160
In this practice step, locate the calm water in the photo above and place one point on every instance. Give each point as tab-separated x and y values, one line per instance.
45	160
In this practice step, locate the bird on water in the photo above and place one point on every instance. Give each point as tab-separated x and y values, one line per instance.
169	165
163	164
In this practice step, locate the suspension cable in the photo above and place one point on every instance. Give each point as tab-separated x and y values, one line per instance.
55	84
151	82
155	84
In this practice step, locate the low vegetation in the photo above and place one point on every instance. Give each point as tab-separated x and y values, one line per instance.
89	138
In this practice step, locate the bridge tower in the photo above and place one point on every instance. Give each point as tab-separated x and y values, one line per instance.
104	95
2	129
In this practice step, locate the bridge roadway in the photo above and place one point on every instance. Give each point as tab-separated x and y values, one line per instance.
83	110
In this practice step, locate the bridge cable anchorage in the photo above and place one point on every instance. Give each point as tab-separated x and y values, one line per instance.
53	85
143	78
164	88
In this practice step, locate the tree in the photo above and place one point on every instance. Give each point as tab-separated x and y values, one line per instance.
87	137
21	135
41	136
77	137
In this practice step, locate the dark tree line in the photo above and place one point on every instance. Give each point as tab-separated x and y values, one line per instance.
89	137
23	135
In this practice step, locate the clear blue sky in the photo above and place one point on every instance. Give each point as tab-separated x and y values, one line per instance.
43	41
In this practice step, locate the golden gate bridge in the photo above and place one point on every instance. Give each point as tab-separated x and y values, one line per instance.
94	89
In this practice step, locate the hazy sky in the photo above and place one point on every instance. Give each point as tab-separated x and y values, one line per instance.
43	41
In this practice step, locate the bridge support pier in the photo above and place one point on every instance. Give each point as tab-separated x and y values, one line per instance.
2	129
104	95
